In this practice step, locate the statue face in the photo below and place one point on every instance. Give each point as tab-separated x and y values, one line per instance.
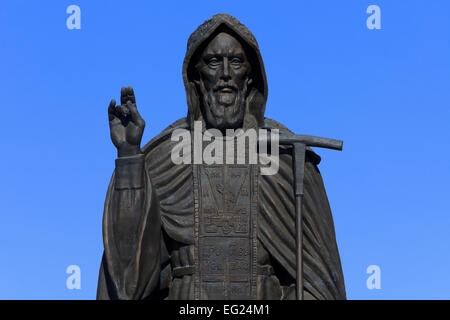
224	70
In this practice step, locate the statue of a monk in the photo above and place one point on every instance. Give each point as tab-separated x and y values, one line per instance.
212	231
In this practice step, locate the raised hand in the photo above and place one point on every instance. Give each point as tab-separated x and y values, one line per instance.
126	125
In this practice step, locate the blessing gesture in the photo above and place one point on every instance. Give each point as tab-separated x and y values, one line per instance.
126	124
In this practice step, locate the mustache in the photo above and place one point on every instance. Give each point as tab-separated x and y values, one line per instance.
228	85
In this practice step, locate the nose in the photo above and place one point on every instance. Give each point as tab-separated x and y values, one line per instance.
226	70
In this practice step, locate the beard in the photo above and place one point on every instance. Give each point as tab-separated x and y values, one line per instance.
224	110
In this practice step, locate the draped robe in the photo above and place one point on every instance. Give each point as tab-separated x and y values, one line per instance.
167	203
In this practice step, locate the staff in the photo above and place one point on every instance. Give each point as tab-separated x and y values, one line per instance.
299	144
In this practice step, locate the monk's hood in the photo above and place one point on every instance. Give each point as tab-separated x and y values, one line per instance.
257	97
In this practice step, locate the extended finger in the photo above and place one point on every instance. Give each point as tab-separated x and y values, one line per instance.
123	95
131	96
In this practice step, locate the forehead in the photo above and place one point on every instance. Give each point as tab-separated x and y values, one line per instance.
224	43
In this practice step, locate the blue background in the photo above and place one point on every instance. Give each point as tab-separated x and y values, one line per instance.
384	92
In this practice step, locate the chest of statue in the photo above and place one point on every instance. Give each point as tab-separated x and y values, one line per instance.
225	199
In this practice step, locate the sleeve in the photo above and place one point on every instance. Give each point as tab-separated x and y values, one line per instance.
131	263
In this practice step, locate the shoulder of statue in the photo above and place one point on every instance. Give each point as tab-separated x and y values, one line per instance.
165	135
311	156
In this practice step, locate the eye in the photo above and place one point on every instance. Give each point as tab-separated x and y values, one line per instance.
213	63
236	63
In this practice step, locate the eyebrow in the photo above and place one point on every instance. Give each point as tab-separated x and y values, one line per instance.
239	54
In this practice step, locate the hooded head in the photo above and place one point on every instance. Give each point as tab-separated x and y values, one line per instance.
224	76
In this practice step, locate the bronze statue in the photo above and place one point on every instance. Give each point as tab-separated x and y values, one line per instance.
217	231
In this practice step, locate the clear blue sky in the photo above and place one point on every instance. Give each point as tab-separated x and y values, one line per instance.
384	92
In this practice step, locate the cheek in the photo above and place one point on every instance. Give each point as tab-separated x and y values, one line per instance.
239	78
210	77
239	75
